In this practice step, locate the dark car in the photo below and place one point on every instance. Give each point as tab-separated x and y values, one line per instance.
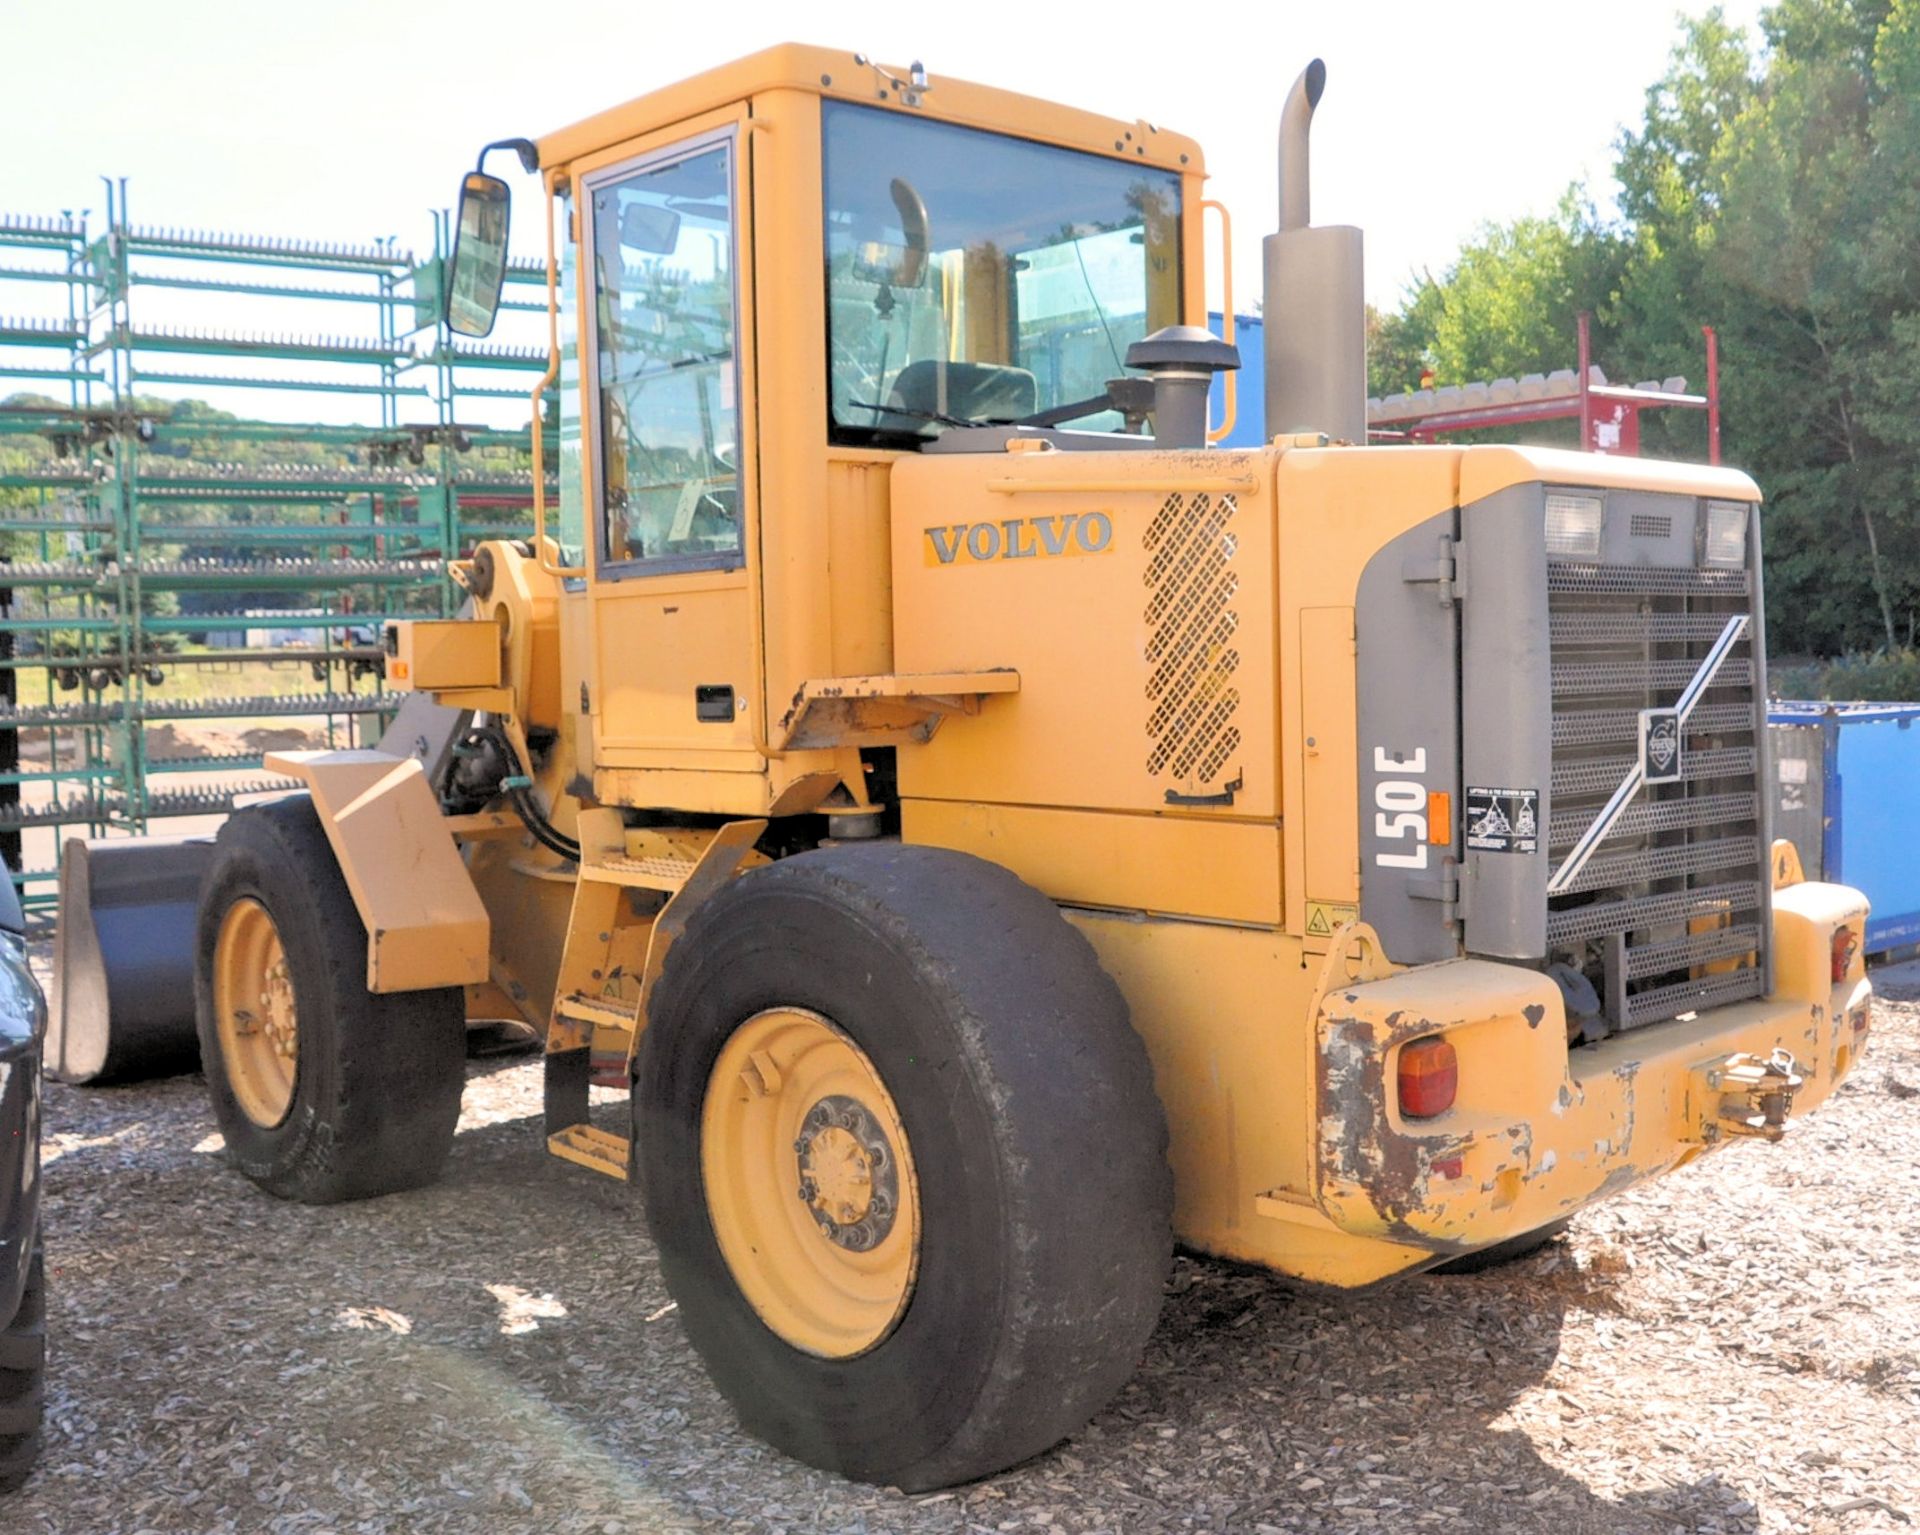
23	1288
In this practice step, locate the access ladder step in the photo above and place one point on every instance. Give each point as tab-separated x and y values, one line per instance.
606	1027
600	1150
667	874
601	1014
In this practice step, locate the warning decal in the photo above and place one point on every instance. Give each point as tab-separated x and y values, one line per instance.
1503	820
1324	916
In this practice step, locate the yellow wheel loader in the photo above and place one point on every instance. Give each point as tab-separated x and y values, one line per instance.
995	835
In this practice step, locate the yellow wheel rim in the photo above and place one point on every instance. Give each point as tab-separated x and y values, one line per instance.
258	1022
810	1184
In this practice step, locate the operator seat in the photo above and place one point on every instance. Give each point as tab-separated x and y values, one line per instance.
976	391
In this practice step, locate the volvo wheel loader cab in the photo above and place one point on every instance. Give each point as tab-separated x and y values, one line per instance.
995	835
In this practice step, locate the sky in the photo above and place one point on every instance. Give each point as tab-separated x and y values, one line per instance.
350	119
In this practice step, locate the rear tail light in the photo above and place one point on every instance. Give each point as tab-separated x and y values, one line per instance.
1844	946
1429	1077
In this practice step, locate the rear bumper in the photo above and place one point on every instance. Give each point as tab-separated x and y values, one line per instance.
1538	1130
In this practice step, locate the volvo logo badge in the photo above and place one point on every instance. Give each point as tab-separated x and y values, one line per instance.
1660	746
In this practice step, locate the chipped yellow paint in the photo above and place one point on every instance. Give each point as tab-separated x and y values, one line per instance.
426	925
893	591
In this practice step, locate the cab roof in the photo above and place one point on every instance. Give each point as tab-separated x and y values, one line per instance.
838	74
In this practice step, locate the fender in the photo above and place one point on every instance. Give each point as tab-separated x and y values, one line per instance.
426	924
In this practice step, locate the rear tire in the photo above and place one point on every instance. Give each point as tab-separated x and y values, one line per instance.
375	1080
1502	1253
23	1378
972	1021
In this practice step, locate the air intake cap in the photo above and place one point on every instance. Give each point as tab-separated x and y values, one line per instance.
1184	346
1182	360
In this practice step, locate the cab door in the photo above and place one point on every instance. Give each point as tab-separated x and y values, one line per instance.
671	505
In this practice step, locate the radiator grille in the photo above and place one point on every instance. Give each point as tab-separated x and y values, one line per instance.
1668	915
1191	584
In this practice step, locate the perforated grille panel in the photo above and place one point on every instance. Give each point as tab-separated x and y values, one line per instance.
1670	910
1191	585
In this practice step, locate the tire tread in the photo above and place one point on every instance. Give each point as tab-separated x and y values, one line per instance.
1081	1140
399	1058
23	1379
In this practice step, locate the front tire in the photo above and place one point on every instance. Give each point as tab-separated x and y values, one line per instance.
23	1378
323	1090
903	1159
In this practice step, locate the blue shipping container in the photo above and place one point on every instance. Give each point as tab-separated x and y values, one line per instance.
1847	793
1250	416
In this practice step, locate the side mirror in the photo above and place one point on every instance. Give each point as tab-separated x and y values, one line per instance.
478	267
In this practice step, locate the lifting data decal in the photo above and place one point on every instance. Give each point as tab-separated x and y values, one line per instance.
1503	820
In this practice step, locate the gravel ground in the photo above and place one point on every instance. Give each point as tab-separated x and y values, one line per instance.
1736	1348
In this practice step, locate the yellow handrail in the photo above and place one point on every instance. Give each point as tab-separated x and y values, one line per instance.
548	183
1230	403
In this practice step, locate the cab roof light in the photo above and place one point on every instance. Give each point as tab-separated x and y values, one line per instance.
1429	1077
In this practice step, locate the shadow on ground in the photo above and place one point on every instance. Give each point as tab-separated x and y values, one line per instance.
497	1352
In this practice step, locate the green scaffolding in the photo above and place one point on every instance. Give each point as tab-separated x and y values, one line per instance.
161	564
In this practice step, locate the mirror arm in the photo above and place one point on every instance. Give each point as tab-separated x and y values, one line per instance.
526	149
549	185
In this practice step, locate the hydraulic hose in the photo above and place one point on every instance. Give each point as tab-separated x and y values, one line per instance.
518	788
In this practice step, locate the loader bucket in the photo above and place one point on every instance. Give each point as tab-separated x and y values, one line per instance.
122	1004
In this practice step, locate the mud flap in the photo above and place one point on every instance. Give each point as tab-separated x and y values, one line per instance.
122	1003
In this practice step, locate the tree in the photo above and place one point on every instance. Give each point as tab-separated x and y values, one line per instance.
1775	193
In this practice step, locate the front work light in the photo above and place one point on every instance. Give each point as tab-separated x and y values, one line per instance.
1727	534
1573	525
1429	1077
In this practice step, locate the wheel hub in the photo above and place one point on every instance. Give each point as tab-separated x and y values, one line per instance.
794	1106
257	1014
276	1009
847	1173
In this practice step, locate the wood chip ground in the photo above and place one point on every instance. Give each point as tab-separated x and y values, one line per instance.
1734	1348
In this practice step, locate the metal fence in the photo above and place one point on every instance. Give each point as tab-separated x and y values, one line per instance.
176	550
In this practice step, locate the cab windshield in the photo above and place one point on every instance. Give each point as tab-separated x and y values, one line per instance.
975	278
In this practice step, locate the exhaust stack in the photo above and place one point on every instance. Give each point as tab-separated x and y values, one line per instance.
1315	308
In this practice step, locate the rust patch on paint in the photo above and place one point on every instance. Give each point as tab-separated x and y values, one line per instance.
1360	1149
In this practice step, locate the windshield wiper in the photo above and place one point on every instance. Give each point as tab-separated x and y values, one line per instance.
1059	415
939	416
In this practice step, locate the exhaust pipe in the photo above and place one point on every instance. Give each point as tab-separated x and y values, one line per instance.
1296	118
1315	307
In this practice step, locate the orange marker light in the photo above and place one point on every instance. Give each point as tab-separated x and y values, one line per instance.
1844	945
1429	1077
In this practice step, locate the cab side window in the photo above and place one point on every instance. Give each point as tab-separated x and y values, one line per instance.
666	362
